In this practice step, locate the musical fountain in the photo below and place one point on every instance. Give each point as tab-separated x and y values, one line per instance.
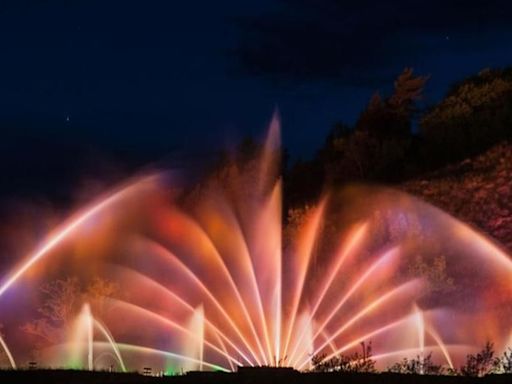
207	278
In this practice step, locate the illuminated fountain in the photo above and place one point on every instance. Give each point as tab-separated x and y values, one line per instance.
208	279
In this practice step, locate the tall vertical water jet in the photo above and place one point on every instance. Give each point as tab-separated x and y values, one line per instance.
90	336
194	347
81	343
420	326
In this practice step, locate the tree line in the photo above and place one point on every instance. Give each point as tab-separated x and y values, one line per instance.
394	139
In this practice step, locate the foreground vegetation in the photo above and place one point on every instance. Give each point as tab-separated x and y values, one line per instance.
483	363
85	377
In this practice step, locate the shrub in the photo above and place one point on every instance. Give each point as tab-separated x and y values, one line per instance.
419	365
504	363
480	364
354	363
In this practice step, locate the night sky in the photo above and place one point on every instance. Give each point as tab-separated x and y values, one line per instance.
90	88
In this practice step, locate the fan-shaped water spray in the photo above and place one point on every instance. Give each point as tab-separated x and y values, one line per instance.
208	279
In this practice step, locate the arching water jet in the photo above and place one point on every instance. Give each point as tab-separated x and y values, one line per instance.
256	297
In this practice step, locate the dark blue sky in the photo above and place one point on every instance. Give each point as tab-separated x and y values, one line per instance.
87	84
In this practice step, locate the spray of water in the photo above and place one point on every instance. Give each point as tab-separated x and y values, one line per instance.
210	280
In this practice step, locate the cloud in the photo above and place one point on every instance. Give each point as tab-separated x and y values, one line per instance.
362	42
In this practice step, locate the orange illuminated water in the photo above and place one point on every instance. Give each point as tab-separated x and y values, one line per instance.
208	279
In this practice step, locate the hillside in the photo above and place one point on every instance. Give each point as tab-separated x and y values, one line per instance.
477	191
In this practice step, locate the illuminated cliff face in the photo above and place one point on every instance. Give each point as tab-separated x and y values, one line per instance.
210	280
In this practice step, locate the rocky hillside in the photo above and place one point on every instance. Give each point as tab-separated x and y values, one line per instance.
477	191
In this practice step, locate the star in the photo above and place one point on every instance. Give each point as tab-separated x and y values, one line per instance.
68	119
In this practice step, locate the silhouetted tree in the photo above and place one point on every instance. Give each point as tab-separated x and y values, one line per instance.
392	117
474	115
356	362
504	363
303	182
408	90
480	364
348	155
380	145
419	365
